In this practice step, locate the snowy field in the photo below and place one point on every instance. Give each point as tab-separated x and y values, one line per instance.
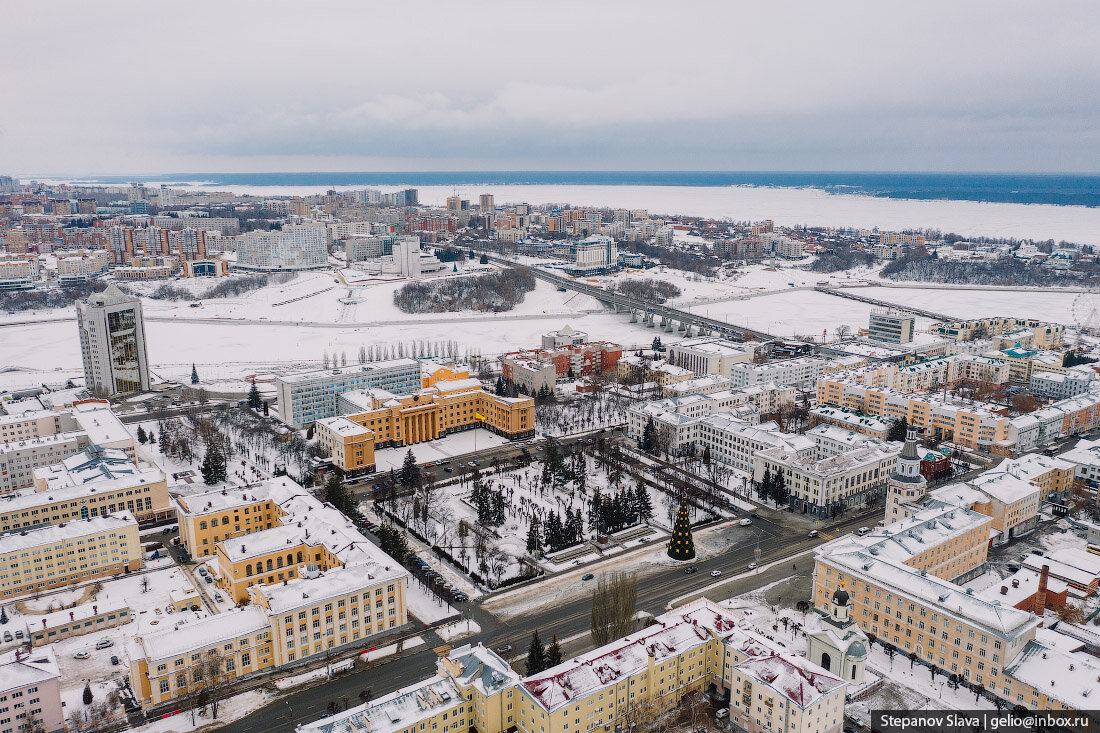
1045	305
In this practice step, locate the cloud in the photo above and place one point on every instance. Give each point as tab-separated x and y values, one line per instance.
123	87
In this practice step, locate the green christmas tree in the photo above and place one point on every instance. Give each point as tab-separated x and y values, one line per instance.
254	399
194	375
682	545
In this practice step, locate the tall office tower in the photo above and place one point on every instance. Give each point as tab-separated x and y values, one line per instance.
112	343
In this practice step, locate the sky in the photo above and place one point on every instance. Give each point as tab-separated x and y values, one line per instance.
117	88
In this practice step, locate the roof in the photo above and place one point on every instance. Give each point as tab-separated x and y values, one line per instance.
919	533
400	709
110	296
797	679
170	642
352	370
1069	677
18	541
344	427
19	669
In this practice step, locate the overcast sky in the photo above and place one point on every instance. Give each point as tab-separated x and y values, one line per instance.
173	87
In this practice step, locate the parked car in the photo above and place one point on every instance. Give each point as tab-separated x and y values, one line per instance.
448	469
588	576
754	515
7	636
863	530
82	655
745	522
114	660
202	570
208	578
104	644
715	573
752	566
18	634
723	713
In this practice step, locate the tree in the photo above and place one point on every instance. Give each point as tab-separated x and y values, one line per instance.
152	437
484	259
553	653
681	546
1024	402
254	400
649	441
536	655
409	476
898	430
213	466
337	494
706	455
534	537
141	435
3	615
88	697
642	503
613	604
194	375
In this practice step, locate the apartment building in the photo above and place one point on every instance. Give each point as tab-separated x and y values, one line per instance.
296	247
1012	502
827	487
18	272
1046	425
640	370
30	694
802	372
736	442
1043	335
310	396
52	556
699	385
76	266
705	355
872	427
1055	386
891	326
569	359
312	582
348	444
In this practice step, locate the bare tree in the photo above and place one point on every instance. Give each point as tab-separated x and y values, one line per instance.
613	603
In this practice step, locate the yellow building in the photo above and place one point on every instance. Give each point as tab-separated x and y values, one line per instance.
73	552
347	443
636	370
447	407
433	372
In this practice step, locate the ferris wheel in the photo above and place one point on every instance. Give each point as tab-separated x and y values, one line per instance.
1086	312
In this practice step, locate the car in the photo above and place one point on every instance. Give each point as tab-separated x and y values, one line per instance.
690	569
863	530
104	644
208	578
114	660
588	576
813	533
745	522
82	655
448	469
8	636
715	573
202	570
461	597
723	713
218	597
754	515
752	566
504	648
643	540
18	634
474	464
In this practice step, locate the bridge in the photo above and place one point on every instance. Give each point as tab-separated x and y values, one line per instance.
847	293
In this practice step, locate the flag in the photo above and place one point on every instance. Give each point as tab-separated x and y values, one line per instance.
479	416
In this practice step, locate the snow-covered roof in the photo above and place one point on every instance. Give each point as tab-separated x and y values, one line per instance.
334	583
936	593
344	427
1069	677
350	370
19	541
21	668
185	635
102	426
480	667
400	709
915	535
792	676
1019	587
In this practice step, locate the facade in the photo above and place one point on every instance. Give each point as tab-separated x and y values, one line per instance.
215	266
348	444
837	644
705	355
82	619
596	254
576	359
891	326
802	372
907	485
1057	386
1043	335
827	487
77	266
531	376
299	247
74	552
736	442
639	370
112	343
313	583
31	692
18	272
310	396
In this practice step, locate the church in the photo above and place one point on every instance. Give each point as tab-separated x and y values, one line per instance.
838	645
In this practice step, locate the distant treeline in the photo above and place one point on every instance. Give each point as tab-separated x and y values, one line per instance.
61	297
656	291
495	292
923	267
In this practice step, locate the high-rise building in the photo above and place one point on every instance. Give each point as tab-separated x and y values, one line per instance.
485	203
891	325
112	343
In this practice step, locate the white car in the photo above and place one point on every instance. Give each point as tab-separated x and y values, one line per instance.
745	522
715	573
752	566
81	655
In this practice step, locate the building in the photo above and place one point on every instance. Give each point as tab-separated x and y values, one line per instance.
836	643
32	684
1043	335
112	343
872	427
705	355
78	266
314	586
84	618
565	336
595	255
72	552
532	376
213	266
1057	386
890	325
628	682
802	372
736	442
348	444
1011	500
45	437
18	272
828	487
1044	426
571	359
641	370
310	396
296	247
907	485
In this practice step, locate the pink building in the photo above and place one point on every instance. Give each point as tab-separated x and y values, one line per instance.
30	691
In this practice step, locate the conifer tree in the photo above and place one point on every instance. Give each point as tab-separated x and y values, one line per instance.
682	545
213	466
553	653
648	443
254	399
194	375
534	537
536	655
642	502
141	436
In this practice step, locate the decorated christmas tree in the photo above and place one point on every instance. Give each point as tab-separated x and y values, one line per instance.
682	545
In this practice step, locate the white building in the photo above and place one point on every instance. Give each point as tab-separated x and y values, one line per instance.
296	247
705	355
18	271
736	442
1085	457
1061	386
112	343
31	691
802	372
310	396
596	253
830	486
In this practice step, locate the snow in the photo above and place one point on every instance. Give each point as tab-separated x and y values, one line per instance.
459	629
389	650
456	444
229	710
1042	303
426	605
